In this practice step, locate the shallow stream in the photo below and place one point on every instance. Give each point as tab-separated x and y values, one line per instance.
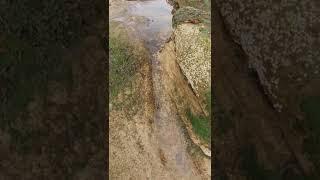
151	21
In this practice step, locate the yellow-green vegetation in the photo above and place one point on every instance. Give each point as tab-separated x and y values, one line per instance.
123	60
201	124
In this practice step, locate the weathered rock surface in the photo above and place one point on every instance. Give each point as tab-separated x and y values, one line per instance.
281	41
189	14
266	62
193	51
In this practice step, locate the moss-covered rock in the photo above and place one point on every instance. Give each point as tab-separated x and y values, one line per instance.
191	15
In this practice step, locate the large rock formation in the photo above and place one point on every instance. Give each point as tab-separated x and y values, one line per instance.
266	67
281	42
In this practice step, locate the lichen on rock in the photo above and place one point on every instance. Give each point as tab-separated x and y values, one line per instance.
194	56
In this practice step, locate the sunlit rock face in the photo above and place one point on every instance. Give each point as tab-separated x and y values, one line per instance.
194	55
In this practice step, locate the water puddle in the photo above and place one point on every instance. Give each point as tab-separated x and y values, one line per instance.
150	20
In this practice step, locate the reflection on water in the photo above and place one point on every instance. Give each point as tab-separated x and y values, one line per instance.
150	20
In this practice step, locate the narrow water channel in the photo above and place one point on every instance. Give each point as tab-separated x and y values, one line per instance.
151	21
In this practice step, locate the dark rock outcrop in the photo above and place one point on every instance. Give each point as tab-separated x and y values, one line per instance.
266	67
